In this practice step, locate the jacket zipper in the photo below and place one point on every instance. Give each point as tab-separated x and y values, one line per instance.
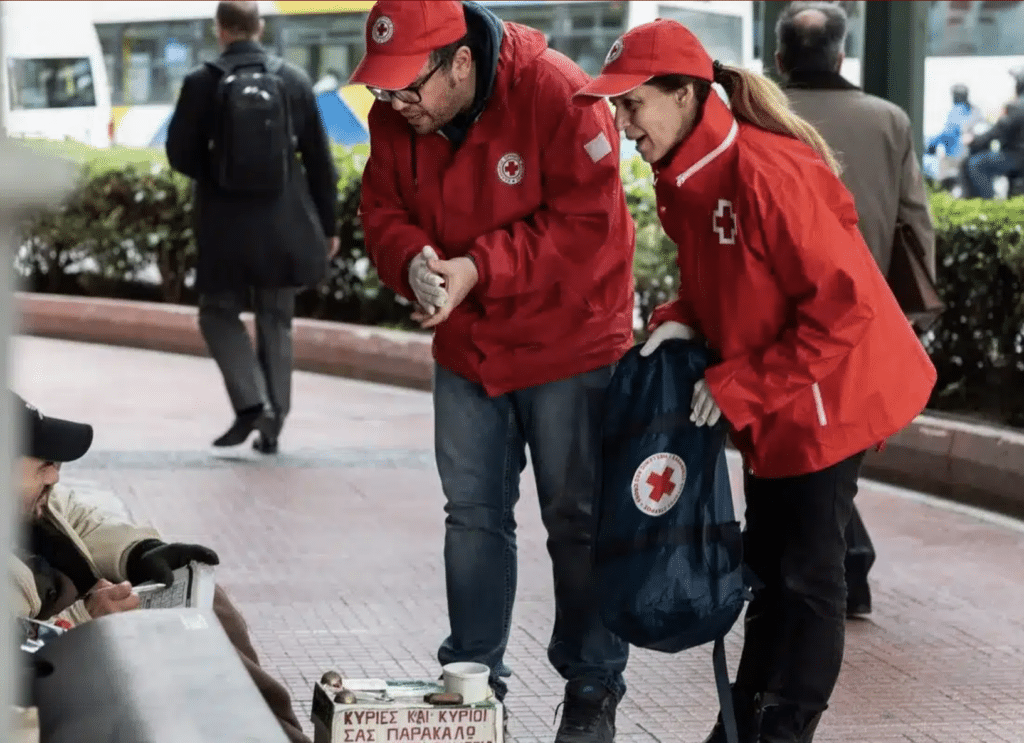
818	404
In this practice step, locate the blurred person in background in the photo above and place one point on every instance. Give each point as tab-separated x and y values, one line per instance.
984	165
872	139
265	213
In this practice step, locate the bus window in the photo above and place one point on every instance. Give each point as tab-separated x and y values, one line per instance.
51	83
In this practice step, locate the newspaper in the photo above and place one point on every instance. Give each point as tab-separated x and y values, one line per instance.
192	589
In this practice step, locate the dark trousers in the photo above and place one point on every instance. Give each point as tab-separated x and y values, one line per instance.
860	557
984	167
794	541
252	377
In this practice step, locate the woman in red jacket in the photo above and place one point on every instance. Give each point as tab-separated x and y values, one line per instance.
818	362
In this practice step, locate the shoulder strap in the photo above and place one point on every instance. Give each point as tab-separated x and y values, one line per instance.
274	65
724	693
227	65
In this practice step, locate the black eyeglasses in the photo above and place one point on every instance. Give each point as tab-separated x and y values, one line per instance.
405	95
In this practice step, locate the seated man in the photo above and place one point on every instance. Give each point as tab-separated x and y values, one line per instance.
79	562
984	165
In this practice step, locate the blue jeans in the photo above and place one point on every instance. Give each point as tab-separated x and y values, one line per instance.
984	167
480	443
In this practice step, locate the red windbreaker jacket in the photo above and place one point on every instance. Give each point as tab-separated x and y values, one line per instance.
534	195
819	362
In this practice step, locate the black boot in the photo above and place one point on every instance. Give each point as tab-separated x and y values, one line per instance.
245	422
858	598
745	707
269	426
786	722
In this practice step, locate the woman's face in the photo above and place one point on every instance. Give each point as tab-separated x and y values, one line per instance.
657	121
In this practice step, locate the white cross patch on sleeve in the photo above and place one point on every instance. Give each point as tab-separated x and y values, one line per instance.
598	147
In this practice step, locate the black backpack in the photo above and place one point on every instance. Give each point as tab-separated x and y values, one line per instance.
668	552
252	146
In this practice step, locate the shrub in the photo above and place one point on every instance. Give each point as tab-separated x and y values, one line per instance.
977	346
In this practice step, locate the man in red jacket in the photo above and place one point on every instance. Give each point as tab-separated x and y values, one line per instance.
494	204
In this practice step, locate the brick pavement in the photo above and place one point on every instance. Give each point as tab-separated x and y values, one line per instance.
332	551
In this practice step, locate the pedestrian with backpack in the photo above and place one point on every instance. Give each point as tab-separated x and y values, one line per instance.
818	363
247	130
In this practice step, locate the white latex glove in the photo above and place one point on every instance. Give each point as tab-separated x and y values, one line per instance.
703	408
427	285
665	331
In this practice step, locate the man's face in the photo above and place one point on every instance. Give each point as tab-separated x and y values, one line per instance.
37	480
442	94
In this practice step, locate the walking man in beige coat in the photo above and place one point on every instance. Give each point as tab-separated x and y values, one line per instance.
873	141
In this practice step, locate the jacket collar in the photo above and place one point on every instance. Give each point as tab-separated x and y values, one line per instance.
486	33
244	47
520	46
714	134
818	80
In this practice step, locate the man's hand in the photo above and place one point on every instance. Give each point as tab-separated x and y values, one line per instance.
333	246
665	331
109	598
703	408
156	560
427	285
460	275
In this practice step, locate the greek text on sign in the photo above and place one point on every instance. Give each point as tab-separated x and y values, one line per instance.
402	717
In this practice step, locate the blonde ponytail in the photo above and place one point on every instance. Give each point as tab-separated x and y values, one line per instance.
759	101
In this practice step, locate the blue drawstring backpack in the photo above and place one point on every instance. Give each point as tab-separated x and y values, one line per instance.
667	548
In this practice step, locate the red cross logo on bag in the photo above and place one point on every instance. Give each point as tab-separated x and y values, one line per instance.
724	223
658	482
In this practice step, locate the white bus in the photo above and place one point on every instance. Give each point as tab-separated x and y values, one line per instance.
150	46
54	79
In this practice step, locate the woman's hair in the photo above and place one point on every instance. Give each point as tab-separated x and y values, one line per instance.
756	100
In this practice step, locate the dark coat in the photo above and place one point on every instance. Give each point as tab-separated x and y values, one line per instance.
1009	131
256	240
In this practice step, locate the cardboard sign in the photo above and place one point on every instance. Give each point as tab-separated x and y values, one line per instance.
394	712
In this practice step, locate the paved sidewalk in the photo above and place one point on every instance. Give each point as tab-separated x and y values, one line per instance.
333	552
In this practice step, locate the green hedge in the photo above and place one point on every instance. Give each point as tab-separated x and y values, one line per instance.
126	232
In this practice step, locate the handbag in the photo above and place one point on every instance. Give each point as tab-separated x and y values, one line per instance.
910	281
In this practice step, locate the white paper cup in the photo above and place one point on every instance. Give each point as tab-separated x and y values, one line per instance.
467	679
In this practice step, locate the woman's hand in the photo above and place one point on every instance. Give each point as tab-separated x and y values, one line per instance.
666	331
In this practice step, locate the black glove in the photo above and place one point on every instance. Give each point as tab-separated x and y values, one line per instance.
154	560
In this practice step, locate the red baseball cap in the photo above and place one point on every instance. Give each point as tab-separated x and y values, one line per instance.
400	35
661	47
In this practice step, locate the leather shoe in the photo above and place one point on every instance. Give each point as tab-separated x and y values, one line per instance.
269	426
245	423
858	599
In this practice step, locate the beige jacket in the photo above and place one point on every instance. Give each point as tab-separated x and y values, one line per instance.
872	139
104	539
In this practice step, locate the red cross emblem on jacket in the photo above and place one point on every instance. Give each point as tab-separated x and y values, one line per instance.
724	222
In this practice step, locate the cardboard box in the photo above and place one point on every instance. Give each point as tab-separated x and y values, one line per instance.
394	712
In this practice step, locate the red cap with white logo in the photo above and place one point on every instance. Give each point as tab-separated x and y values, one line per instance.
661	47
400	35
